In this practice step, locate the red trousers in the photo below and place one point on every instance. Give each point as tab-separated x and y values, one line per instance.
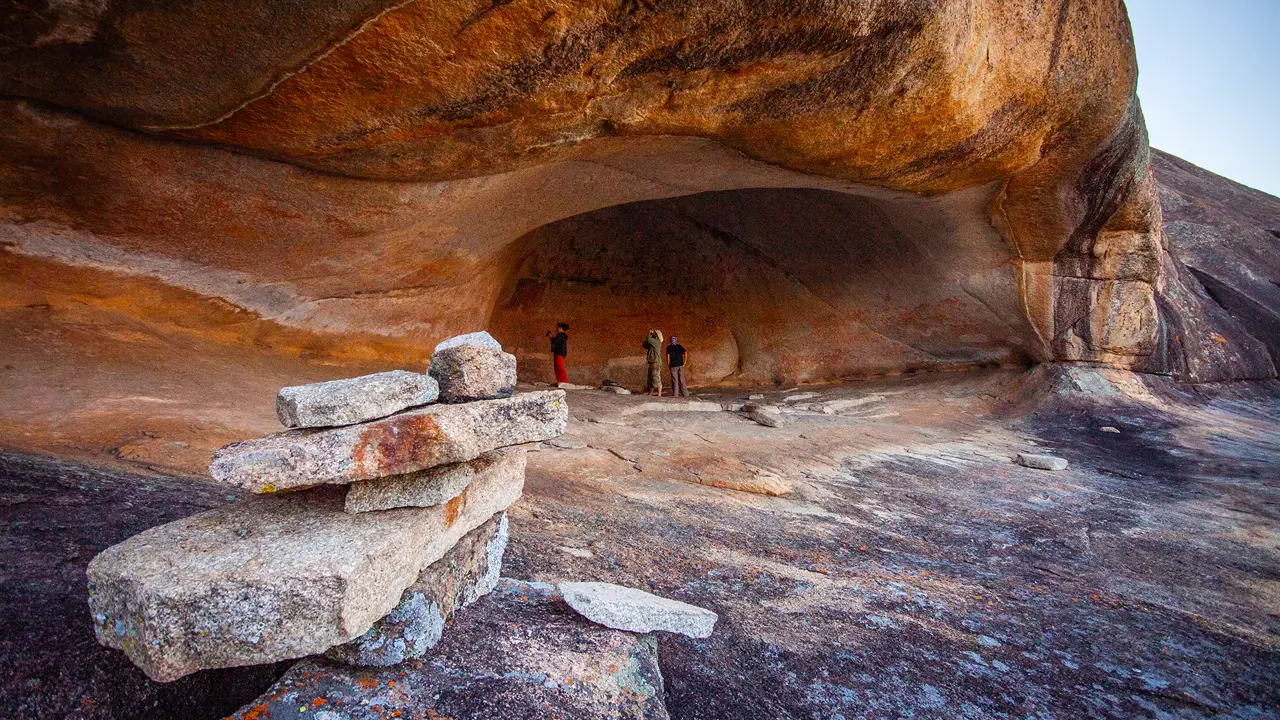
561	375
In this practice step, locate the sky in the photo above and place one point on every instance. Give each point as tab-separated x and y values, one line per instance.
1209	81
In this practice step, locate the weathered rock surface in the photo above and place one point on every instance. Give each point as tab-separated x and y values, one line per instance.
1221	300
354	400
514	655
432	486
271	578
469	571
468	372
447	137
1041	462
481	338
58	514
633	610
403	443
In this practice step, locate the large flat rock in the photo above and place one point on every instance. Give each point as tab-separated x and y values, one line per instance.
514	655
432	486
354	400
403	443
468	572
271	578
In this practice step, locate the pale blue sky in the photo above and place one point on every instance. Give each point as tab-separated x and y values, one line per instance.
1209	80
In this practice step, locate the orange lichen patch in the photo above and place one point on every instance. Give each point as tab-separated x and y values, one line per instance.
258	712
398	445
453	508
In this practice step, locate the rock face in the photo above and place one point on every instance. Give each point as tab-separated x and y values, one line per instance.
355	400
1221	300
513	655
271	578
362	178
404	443
635	610
469	571
468	372
433	486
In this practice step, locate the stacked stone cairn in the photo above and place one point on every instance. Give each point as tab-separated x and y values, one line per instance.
379	514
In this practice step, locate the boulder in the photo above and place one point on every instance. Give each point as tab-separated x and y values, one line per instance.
466	573
615	389
633	610
354	400
433	486
410	441
513	655
1041	462
473	367
271	578
764	415
474	339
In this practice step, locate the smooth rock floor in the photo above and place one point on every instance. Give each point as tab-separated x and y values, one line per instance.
914	570
55	515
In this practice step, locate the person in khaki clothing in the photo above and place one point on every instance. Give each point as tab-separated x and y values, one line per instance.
653	356
675	363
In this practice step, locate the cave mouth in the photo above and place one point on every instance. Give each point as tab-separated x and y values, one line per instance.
768	286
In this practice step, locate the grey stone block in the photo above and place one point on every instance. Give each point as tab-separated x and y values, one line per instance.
467	373
410	441
271	578
354	400
433	486
633	610
466	573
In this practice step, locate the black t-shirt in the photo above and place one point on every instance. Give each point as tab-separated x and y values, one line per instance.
560	344
675	355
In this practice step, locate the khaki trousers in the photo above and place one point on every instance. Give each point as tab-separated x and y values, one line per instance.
654	381
678	388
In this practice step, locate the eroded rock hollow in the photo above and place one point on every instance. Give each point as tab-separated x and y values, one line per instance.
803	190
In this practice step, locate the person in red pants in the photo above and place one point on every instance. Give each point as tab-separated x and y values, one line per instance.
559	349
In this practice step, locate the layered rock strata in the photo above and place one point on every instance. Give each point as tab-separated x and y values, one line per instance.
433	486
271	578
403	443
373	557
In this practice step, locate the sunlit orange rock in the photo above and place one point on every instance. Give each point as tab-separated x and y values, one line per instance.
799	190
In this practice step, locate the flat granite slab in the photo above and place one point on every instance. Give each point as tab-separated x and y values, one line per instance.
271	578
354	400
514	655
468	572
403	443
432	486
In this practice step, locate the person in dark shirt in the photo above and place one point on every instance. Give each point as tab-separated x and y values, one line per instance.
675	361
559	350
